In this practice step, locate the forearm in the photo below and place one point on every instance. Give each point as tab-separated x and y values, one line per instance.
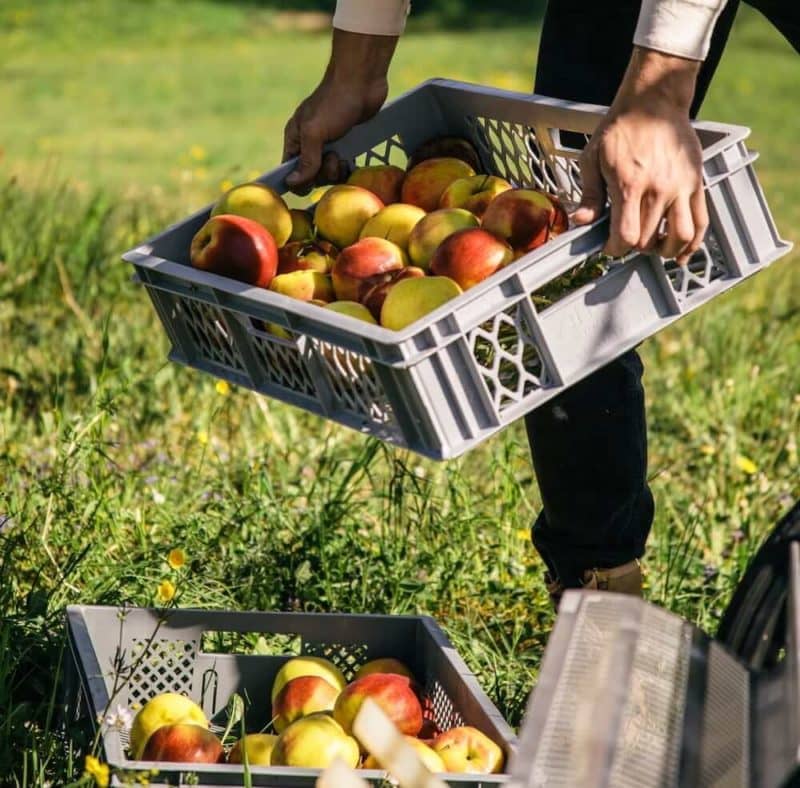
359	59
655	79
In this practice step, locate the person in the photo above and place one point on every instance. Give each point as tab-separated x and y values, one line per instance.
651	62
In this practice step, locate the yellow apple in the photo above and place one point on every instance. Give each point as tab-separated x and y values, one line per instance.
165	709
466	749
473	194
302	225
307	666
352	309
314	742
258	747
411	299
343	211
261	204
305	285
394	223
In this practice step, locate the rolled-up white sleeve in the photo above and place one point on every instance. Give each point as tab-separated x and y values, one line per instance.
678	27
373	17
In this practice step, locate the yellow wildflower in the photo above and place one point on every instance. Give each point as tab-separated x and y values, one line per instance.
222	387
226	185
176	558
707	449
165	592
202	437
197	152
524	534
99	771
746	465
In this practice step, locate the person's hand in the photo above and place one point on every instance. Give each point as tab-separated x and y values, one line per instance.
353	90
645	156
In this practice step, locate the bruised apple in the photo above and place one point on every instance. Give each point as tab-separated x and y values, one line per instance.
185	743
426	754
373	296
394	223
425	183
363	264
469	256
430	231
466	749
343	211
391	691
411	299
384	665
314	742
236	247
307	666
257	747
473	194
261	204
526	218
318	255
164	709
385	180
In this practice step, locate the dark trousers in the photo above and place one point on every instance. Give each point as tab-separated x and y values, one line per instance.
589	444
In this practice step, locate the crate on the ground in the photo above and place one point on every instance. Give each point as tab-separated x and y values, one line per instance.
125	656
505	346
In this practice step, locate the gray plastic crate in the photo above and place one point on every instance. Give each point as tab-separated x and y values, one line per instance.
174	656
466	370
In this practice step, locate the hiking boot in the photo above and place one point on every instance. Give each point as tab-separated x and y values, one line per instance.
624	579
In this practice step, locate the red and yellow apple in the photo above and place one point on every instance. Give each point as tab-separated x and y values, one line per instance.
261	204
385	180
343	211
304	285
431	230
373	296
307	666
236	247
164	709
466	749
447	147
384	665
301	697
257	746
363	264
526	218
391	691
352	309
424	184
314	742
426	754
302	225
316	255
183	742
473	194
411	299
394	223
469	256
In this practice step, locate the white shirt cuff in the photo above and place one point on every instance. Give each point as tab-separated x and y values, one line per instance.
678	27
372	17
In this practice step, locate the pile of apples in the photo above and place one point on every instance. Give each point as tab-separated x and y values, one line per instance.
389	245
313	709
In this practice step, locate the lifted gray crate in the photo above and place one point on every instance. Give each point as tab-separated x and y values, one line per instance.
169	652
447	382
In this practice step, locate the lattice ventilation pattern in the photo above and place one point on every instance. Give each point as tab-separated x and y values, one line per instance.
205	324
706	266
507	358
390	151
283	363
347	657
354	383
160	666
441	710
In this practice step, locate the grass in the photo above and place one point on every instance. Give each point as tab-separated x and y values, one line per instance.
110	456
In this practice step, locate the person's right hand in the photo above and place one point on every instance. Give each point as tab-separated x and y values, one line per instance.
353	89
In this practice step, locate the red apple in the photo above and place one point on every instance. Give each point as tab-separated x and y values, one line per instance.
300	697
384	180
236	247
469	256
317	255
425	183
372	298
391	691
363	264
431	230
466	749
525	218
473	194
185	743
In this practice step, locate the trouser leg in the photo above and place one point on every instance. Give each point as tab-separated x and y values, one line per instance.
589	444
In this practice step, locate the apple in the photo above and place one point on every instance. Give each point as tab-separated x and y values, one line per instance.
235	247
384	180
343	211
317	255
261	204
411	299
373	296
384	665
352	309
314	742
473	194
526	218
394	223
300	697
363	264
183	742
433	229
307	666
304	285
466	749
391	691
164	709
469	256
257	746
426	754
450	147
424	184
302	225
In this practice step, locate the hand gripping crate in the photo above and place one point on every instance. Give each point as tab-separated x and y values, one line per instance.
507	345
127	655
